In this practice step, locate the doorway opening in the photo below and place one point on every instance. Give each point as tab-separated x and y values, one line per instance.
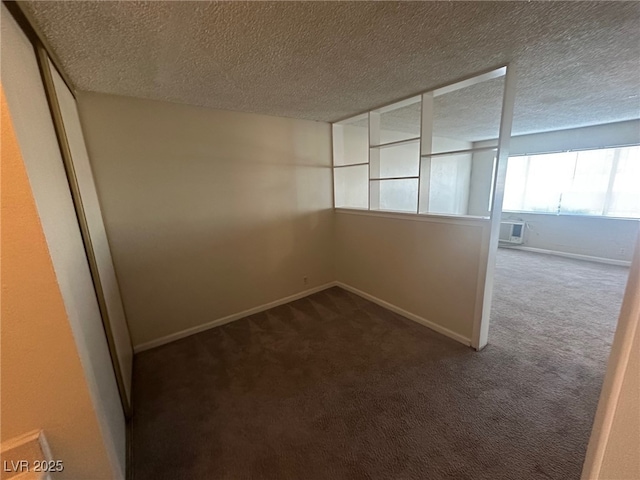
568	229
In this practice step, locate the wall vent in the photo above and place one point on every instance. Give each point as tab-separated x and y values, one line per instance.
512	232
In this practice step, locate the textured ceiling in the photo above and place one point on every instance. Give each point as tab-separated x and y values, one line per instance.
579	62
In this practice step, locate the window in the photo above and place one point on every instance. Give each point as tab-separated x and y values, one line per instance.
416	155
587	182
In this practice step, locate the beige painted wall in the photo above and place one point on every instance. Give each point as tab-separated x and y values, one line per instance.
43	382
41	155
208	212
426	266
622	456
615	440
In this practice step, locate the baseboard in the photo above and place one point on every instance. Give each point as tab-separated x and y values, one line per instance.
237	316
230	318
577	256
411	316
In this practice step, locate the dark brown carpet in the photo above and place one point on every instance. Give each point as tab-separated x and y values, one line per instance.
335	387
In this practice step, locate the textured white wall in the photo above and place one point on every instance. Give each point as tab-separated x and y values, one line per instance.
209	213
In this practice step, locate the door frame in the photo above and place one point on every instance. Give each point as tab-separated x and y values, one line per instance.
491	233
45	60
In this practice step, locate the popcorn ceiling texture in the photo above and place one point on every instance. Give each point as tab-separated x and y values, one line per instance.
579	62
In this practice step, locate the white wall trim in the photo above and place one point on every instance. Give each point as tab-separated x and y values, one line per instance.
228	319
33	443
481	285
305	293
19	441
411	316
589	258
416	217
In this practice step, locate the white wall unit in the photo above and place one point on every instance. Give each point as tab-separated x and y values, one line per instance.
511	232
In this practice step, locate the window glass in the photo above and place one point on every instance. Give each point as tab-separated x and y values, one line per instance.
625	195
535	183
395	161
589	182
395	195
456	126
422	149
585	192
400	121
351	186
449	180
516	183
351	141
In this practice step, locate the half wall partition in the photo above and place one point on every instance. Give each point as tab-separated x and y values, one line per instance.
413	160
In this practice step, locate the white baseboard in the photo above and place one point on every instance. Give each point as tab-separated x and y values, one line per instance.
229	318
261	308
577	256
411	316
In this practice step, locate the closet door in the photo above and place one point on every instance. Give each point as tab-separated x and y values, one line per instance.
87	205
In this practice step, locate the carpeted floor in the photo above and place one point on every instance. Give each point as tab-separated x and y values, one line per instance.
335	387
